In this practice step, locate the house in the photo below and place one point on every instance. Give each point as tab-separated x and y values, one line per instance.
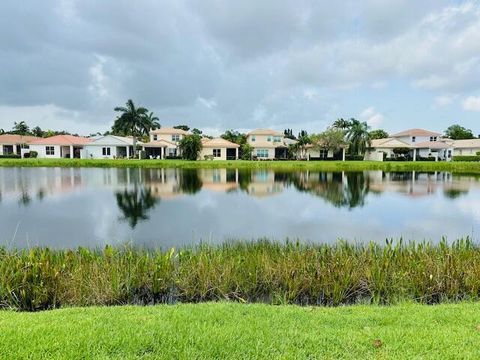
468	147
316	152
109	147
218	149
413	143
60	146
15	144
164	143
267	144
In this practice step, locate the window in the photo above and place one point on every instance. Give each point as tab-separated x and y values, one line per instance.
262	153
269	138
433	138
413	138
217	152
49	150
277	139
155	137
172	152
175	137
323	153
106	151
253	137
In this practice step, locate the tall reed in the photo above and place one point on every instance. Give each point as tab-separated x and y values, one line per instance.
261	271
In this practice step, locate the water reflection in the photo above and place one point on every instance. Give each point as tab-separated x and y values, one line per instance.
72	206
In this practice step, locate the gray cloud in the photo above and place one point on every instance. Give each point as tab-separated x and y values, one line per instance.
227	64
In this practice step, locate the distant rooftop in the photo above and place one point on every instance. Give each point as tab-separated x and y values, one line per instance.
416	132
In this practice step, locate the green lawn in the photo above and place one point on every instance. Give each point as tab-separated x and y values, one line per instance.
240	331
460	167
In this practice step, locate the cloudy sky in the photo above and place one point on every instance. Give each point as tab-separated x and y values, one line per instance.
213	64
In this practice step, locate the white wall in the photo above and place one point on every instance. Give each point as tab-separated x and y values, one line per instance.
41	150
271	152
96	152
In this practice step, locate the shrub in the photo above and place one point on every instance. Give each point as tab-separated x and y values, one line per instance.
467	158
478	153
143	154
10	156
354	157
33	154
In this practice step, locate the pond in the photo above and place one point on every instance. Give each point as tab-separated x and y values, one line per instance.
71	207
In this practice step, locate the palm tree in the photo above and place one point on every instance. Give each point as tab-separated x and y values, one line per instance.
133	121
135	204
358	134
342	123
153	121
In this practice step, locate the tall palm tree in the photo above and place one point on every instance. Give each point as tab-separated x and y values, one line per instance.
358	134
342	123
133	121
153	120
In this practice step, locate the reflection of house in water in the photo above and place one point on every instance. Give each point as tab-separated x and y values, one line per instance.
263	183
223	180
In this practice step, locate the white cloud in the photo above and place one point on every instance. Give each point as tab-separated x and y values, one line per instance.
471	103
444	100
371	116
208	103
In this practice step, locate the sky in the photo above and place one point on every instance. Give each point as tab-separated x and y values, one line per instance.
217	65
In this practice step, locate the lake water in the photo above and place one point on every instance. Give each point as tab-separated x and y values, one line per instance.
65	208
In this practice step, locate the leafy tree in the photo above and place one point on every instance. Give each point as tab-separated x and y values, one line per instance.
133	121
2	131
235	137
190	145
378	134
37	131
189	181
182	127
342	123
20	128
196	131
302	142
288	133
457	132
331	139
358	136
246	151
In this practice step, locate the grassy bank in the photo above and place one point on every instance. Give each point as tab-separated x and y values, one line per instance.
261	271
239	331
458	167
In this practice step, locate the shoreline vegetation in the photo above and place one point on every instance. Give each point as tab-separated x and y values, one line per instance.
455	167
243	331
246	272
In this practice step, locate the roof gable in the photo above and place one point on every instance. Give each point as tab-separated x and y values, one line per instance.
65	140
416	132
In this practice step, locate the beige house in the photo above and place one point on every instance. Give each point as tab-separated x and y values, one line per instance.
218	149
15	144
267	144
419	142
313	152
164	143
466	147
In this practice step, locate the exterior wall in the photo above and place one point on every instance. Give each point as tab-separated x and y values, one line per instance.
209	152
374	155
167	137
264	139
96	151
41	150
466	151
315	153
418	139
271	152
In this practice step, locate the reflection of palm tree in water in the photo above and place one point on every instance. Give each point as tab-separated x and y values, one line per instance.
189	181
134	204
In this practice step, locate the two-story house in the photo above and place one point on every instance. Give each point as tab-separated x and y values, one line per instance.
164	143
416	143
267	144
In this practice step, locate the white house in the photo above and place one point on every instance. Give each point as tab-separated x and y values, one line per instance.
60	146
267	144
15	144
218	149
417	143
109	147
164	143
468	147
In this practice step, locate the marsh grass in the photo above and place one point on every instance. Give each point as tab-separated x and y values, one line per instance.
456	167
262	271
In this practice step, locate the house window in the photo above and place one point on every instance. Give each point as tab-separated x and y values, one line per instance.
175	137
50	150
323	153
155	137
277	139
253	137
433	138
262	153
217	152
414	138
172	152
106	151
269	138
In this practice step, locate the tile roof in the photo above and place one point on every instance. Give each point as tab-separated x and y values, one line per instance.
388	143
160	143
168	131
10	139
467	144
265	132
63	140
416	132
219	142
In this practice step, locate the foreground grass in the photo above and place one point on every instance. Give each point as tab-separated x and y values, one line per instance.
262	271
240	331
457	167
